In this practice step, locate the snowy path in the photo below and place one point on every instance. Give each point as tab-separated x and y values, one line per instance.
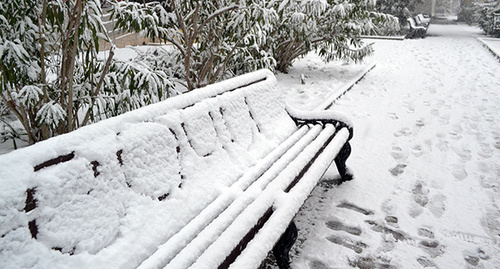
426	160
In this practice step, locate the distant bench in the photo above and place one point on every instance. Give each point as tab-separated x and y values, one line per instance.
418	26
209	179
422	21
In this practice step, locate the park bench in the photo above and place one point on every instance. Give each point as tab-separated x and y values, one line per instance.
415	31
422	21
209	179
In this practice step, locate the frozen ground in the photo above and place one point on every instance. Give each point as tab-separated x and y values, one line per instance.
426	160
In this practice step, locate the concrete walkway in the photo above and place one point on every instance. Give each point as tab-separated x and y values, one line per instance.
426	160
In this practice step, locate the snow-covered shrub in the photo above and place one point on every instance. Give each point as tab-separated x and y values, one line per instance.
51	77
219	39
332	28
214	39
486	17
469	13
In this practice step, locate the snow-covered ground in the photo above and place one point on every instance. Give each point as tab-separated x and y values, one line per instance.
426	159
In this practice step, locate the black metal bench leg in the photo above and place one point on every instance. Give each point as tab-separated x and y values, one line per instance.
340	160
282	248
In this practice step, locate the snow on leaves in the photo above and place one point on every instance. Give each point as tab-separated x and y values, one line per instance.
51	113
30	94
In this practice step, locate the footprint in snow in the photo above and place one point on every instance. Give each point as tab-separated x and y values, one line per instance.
339	226
417	150
371	262
397	152
432	247
425	232
465	154
409	108
436	205
392	221
459	172
420	198
384	229
475	257
353	207
415	210
426	262
442	145
455	136
356	246
403	132
435	112
392	115
398	170
420	194
420	123
486	151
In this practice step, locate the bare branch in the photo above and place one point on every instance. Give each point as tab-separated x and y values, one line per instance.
99	85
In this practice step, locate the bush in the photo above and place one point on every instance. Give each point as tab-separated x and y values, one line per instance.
486	16
51	77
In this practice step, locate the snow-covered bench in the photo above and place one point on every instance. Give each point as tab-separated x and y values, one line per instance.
420	20
209	179
416	31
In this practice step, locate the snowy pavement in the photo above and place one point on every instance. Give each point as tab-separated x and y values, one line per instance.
426	161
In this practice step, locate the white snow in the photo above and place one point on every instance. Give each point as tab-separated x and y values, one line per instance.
425	159
492	44
426	162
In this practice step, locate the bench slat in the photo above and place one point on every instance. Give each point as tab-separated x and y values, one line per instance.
286	207
230	238
259	176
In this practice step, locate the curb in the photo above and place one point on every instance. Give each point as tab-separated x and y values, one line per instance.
337	94
484	42
398	38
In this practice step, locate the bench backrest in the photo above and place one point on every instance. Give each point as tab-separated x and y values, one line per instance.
108	194
422	19
412	22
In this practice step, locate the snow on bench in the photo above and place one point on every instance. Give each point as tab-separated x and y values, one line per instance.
416	30
422	21
209	179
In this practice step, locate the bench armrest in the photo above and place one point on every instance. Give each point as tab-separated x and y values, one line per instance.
321	116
